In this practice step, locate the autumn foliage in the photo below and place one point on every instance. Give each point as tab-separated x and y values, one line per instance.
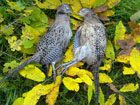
33	22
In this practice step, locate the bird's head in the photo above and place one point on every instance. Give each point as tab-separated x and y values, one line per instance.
64	9
84	12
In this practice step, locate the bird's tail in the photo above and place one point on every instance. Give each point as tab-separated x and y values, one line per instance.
32	59
96	81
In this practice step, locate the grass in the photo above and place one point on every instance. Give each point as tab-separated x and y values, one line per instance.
18	85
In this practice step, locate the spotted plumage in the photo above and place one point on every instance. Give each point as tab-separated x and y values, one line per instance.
50	48
89	45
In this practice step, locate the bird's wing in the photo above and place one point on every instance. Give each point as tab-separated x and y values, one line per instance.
77	39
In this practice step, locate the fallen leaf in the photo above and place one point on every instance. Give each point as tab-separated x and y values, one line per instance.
100	8
128	71
111	100
126	43
32	72
70	84
134	60
122	100
129	87
119	34
104	78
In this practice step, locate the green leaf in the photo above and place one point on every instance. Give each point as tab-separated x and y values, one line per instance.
135	16
18	101
90	93
16	5
99	2
110	51
28	43
1	18
119	34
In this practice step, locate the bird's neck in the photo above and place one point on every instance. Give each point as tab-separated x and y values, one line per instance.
92	19
62	18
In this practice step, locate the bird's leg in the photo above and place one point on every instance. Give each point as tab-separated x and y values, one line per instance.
96	81
54	73
66	67
64	64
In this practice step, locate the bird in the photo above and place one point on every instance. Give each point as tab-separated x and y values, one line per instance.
53	44
89	46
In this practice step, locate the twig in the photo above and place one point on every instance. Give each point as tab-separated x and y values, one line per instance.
9	55
11	24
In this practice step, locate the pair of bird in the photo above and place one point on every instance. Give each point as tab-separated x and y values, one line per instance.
89	43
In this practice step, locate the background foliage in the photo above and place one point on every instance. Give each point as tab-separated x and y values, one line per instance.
22	22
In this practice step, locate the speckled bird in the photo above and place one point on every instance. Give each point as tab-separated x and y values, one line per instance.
52	45
89	45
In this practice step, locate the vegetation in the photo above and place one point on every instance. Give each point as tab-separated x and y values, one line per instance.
21	24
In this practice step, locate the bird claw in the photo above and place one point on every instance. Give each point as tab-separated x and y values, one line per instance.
63	71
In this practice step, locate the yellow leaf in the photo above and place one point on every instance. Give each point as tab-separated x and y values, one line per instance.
7	31
135	60
78	64
50	71
78	80
87	73
48	4
52	96
112	3
75	5
105	67
1	18
109	12
123	59
72	71
128	71
69	54
119	34
70	84
122	100
87	3
110	51
33	73
111	100
85	78
129	87
18	101
33	95
103	78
